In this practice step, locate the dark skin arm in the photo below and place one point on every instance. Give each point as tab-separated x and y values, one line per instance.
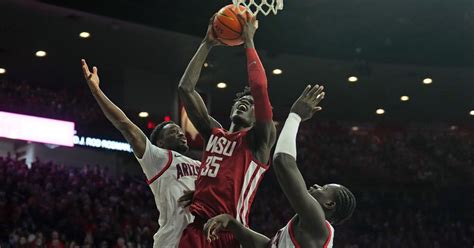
193	103
311	214
246	236
263	134
132	133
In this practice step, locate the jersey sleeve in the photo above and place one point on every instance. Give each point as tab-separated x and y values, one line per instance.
155	161
258	86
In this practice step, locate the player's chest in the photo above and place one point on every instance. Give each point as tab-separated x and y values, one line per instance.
224	146
184	170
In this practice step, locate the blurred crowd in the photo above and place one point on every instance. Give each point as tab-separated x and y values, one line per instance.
67	103
413	185
414	189
52	205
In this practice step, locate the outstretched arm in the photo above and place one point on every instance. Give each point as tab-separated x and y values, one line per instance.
192	101
265	130
291	181
134	136
246	236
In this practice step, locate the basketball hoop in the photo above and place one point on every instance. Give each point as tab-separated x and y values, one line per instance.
260	6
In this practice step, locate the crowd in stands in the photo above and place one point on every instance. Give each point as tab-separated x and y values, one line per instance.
67	104
414	189
413	185
52	205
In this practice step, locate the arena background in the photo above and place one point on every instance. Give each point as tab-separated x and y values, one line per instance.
411	168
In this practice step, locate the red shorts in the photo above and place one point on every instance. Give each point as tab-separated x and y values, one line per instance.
194	237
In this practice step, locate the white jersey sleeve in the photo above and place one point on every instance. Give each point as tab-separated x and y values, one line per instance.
155	161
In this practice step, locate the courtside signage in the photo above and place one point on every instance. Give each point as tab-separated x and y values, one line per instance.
36	129
102	143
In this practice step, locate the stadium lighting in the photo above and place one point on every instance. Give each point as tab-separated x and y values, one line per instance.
143	114
40	54
352	79
427	81
472	112
277	71
404	98
84	35
221	85
2	71
355	128
206	65
380	111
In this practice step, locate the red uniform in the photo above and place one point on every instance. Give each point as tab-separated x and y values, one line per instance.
228	180
229	174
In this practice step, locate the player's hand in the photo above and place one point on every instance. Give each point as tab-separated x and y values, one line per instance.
92	78
214	225
249	28
307	103
211	37
186	199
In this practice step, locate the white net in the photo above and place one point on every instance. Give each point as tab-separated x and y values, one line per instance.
260	6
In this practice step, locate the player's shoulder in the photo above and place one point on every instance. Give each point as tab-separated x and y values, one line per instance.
310	236
179	158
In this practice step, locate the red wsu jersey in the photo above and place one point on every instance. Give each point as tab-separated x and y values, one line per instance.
229	177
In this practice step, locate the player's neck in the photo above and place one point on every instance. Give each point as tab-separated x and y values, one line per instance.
235	127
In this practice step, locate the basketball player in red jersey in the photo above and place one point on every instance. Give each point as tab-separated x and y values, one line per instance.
234	160
316	209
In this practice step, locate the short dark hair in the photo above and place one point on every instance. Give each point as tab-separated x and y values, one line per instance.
245	92
345	206
156	133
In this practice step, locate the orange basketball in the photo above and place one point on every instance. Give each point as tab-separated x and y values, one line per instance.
227	27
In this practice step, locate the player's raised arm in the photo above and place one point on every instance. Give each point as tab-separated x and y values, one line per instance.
193	103
134	136
265	130
291	181
246	237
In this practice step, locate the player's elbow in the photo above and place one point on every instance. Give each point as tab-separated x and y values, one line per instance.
185	88
283	160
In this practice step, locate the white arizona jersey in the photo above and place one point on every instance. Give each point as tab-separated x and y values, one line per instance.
285	237
168	174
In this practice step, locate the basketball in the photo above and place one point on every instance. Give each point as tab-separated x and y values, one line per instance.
227	26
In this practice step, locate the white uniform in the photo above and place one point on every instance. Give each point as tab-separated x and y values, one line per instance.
168	174
285	238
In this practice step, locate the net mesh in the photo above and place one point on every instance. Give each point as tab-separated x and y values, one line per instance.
260	6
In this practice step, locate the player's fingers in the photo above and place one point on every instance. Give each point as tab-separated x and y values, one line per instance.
215	230
206	229
316	109
95	70
254	19
209	229
212	19
318	94
306	90
318	98
313	89
319	90
85	68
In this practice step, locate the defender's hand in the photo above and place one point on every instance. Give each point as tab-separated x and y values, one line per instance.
92	78
214	225
186	199
307	103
